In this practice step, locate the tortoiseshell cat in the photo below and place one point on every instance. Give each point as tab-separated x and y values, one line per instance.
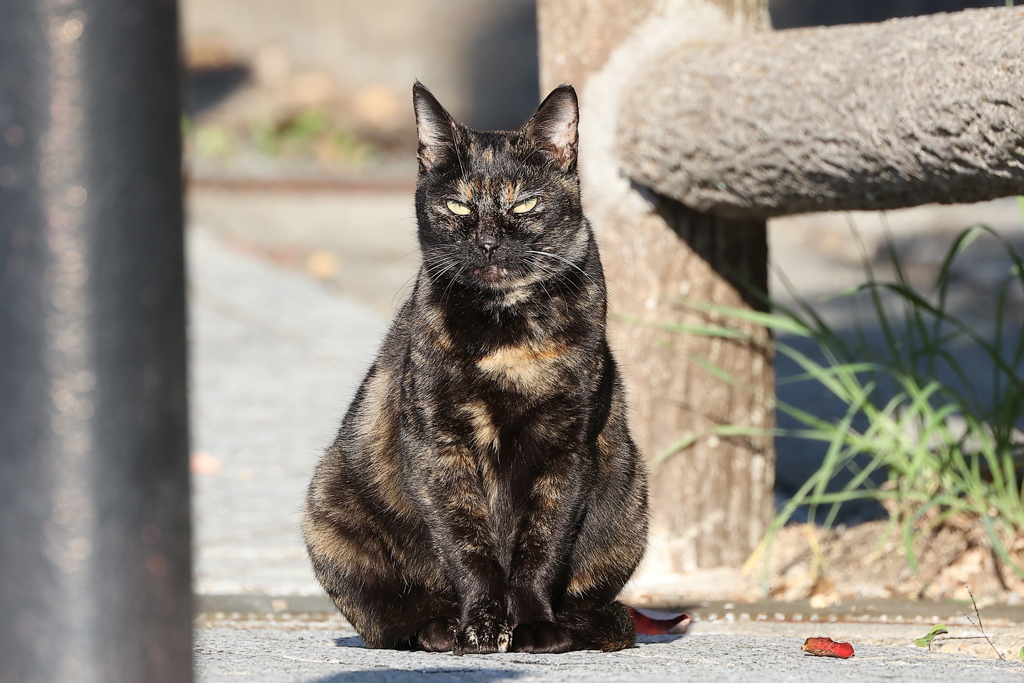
483	493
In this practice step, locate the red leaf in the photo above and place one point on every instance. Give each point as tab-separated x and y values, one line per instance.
653	623
826	647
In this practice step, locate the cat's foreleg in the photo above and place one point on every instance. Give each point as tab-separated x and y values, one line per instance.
459	520
607	548
550	515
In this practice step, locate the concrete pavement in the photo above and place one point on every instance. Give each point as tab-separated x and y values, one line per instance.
338	656
275	359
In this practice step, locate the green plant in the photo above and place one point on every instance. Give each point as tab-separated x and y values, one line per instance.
940	629
311	132
926	640
940	448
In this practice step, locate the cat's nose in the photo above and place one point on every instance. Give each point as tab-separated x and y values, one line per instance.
487	244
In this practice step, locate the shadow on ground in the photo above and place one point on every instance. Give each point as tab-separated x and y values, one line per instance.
349	641
453	673
356	641
654	640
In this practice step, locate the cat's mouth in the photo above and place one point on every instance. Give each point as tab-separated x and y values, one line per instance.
491	274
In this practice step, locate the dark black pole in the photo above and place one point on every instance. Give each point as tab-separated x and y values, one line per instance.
94	517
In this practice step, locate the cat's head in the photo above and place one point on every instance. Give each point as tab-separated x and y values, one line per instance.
499	210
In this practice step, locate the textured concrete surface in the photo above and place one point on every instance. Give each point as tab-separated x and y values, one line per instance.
275	359
365	241
333	656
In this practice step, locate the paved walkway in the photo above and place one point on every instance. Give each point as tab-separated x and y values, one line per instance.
276	357
318	656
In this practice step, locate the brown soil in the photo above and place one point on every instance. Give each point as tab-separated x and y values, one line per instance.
870	561
834	567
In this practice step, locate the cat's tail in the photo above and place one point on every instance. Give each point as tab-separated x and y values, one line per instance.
650	622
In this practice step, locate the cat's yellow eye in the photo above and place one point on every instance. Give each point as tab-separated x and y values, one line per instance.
523	207
458	209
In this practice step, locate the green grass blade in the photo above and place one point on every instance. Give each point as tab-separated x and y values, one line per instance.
681	444
926	641
769	320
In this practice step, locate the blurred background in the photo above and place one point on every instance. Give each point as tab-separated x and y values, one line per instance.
320	88
300	159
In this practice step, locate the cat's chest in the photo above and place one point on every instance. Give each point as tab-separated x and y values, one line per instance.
507	389
528	356
522	398
532	369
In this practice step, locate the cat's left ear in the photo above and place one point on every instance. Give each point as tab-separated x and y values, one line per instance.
554	126
435	128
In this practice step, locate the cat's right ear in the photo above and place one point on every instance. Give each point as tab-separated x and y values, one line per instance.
435	128
554	126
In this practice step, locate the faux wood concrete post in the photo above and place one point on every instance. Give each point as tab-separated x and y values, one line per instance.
865	117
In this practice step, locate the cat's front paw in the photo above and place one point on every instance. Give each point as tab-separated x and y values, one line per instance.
541	637
484	630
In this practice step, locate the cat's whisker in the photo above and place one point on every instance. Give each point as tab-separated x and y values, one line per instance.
456	277
434	278
444	260
439	268
437	276
440	249
405	255
436	263
546	292
436	268
439	256
564	277
559	277
405	286
555	281
535	263
564	260
458	155
437	252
